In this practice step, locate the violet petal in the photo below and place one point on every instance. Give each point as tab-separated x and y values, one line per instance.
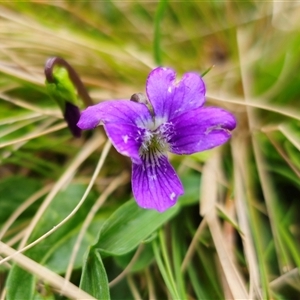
156	185
126	138
123	121
200	129
170	99
115	111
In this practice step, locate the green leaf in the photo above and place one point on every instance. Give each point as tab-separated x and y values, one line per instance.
57	248
45	295
94	278
56	260
12	197
143	261
60	207
191	184
129	226
222	214
23	280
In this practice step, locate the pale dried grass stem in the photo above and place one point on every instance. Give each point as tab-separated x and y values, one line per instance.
209	197
92	145
128	267
44	273
117	182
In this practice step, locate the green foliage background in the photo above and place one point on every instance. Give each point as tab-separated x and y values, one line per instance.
234	234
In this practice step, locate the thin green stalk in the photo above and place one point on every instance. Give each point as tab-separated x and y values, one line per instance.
207	70
288	241
256	225
166	259
194	281
177	260
169	281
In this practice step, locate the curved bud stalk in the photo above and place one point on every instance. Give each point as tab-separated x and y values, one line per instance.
66	89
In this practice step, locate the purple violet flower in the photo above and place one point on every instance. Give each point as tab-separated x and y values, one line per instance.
173	120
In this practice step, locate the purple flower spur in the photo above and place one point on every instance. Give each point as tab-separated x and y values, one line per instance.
173	119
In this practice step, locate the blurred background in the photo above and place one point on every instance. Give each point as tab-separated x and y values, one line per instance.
233	235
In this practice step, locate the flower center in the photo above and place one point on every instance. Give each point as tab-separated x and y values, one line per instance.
155	142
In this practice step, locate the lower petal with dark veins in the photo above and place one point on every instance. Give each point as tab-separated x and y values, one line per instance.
155	183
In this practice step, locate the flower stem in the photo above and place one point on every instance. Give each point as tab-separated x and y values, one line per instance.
164	272
167	261
164	264
81	90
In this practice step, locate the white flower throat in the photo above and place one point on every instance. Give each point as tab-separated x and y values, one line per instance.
155	133
155	139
